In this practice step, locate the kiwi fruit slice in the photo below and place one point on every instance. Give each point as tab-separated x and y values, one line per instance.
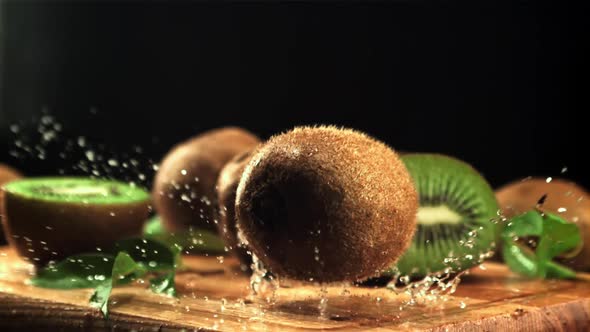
456	218
559	196
227	185
7	174
325	204
55	217
184	188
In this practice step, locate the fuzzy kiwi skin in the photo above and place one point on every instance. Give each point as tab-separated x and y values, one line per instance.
202	158
522	196
56	230
227	185
7	174
326	204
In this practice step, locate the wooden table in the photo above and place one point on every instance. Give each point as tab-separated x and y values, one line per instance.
213	296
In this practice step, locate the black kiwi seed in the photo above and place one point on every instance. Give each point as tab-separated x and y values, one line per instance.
326	204
184	188
227	185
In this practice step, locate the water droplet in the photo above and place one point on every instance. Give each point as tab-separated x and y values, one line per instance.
81	141
90	155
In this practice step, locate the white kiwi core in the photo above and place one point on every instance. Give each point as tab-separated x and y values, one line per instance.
440	214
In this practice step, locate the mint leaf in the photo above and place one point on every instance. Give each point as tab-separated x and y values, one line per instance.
152	255
79	271
164	284
193	240
555	236
134	259
126	269
100	297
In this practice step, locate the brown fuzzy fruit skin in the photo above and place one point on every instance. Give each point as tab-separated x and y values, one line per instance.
7	174
326	205
227	186
42	231
521	196
184	188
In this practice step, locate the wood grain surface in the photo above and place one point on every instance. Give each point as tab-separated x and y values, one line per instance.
214	296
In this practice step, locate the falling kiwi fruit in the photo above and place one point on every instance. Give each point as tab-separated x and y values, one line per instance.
455	220
326	204
559	196
7	174
51	218
227	186
184	188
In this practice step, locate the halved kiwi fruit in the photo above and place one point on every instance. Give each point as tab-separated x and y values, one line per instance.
184	188
455	220
559	196
326	204
7	174
55	217
227	186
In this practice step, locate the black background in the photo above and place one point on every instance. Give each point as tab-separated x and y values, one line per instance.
502	85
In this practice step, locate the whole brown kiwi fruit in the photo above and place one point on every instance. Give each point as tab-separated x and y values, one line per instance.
52	218
227	185
7	174
563	198
326	204
184	188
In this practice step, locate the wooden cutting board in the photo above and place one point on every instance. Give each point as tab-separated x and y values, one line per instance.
213	296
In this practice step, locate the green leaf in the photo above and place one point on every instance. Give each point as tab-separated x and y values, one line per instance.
134	259
164	284
154	227
152	255
79	271
100	297
193	240
555	237
126	269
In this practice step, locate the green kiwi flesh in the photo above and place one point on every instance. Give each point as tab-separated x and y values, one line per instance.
184	187
52	218
456	217
325	204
